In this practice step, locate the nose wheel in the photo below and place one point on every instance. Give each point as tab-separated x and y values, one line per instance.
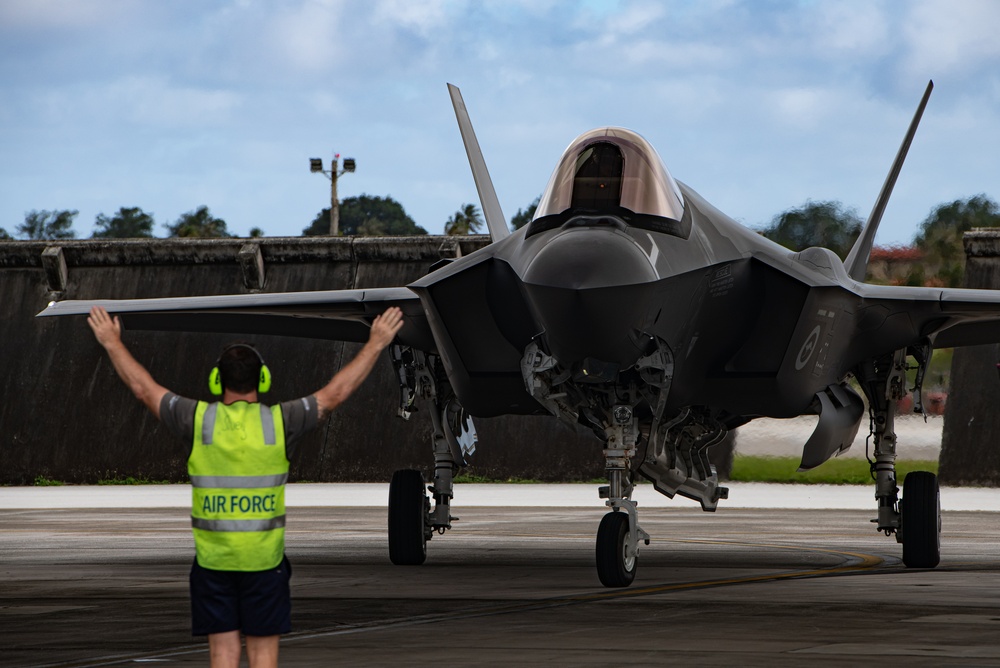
617	555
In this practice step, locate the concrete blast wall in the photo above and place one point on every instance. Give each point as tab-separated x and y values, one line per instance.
65	415
969	446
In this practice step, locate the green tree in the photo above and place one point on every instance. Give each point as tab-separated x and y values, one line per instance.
256	233
523	217
366	215
4	235
824	224
47	225
320	226
199	223
466	220
940	235
128	223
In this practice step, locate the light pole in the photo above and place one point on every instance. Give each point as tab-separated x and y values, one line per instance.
316	165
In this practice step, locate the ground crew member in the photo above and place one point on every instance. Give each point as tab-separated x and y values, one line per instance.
238	467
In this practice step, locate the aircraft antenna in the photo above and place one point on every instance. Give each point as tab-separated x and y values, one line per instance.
857	260
487	195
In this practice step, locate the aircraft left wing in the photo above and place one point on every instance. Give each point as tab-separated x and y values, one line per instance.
341	315
950	317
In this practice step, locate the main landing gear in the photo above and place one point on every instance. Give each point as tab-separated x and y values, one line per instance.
413	520
916	519
409	508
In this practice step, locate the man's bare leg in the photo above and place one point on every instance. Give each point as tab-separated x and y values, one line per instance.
224	649
263	651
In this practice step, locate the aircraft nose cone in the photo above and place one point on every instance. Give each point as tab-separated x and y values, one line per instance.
585	258
590	290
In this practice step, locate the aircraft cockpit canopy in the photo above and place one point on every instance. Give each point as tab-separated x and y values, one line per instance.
613	171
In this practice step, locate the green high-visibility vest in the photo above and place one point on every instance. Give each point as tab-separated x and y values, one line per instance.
238	470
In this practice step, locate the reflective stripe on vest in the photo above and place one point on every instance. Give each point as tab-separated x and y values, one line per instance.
238	525
238	468
239	481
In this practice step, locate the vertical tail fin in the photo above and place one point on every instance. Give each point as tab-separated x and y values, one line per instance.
857	260
487	195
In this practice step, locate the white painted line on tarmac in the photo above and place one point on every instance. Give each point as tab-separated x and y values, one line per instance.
375	495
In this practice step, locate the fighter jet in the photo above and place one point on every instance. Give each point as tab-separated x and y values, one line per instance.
631	305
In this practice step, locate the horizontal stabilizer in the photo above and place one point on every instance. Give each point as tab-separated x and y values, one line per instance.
487	195
840	413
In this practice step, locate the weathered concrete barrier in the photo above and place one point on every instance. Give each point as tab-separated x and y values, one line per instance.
64	414
969	445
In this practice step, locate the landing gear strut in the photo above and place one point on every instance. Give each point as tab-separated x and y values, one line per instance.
916	521
412	519
619	534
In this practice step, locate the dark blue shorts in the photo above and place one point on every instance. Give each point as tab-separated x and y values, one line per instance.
256	603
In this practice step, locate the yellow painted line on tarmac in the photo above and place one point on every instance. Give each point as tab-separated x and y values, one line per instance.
861	562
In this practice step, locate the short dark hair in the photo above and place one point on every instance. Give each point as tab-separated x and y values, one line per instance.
239	368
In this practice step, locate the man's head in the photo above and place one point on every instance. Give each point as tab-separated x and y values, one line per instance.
241	369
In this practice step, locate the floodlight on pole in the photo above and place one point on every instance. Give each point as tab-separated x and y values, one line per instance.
316	165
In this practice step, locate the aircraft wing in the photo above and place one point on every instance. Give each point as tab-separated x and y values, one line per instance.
342	315
978	317
950	317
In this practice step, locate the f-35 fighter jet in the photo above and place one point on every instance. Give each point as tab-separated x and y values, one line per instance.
632	306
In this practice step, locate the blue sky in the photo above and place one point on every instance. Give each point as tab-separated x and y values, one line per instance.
759	106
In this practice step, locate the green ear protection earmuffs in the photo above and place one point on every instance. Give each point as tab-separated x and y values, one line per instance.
215	377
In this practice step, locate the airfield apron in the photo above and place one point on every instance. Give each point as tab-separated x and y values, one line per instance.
238	470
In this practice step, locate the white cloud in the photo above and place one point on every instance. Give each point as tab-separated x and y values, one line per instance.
425	18
636	18
683	56
943	36
73	14
803	108
138	100
855	28
156	101
311	36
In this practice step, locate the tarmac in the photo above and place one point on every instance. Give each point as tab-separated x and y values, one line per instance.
780	575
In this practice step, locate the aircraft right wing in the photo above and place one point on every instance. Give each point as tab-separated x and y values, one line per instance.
342	315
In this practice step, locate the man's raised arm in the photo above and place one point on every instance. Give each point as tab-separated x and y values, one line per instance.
342	385
108	332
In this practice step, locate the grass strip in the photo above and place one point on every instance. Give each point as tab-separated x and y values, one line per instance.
837	471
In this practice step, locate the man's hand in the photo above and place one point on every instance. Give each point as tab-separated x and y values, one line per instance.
341	386
107	330
385	327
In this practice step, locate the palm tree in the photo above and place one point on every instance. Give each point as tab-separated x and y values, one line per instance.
128	223
467	220
198	223
47	225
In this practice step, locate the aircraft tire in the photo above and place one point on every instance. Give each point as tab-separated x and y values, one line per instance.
921	520
408	506
613	568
